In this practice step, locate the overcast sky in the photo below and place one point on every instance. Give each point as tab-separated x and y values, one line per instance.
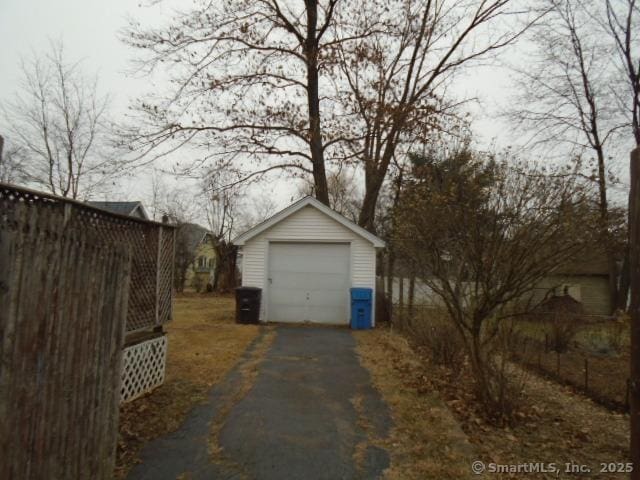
89	30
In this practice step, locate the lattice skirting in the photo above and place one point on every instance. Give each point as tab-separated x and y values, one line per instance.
143	366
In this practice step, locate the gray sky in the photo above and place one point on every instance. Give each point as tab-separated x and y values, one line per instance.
89	30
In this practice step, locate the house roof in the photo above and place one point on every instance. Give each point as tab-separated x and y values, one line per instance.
560	304
300	204
193	234
122	208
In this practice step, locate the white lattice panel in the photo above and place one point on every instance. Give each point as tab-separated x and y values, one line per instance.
143	367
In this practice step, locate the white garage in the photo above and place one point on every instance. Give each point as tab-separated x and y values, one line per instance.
305	259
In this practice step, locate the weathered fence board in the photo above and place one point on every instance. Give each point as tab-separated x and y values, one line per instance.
64	292
152	247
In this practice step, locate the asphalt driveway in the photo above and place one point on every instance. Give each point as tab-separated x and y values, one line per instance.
309	412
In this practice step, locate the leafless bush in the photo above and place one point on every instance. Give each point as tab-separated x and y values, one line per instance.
483	232
562	328
433	329
504	378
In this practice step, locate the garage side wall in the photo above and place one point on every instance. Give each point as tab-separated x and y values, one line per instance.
307	225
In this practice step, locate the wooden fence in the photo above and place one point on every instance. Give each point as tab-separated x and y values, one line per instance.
76	284
64	291
152	250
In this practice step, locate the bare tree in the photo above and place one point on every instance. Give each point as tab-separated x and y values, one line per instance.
567	102
248	86
396	82
274	84
482	234
622	25
621	22
343	191
255	209
11	164
58	123
222	209
158	191
178	207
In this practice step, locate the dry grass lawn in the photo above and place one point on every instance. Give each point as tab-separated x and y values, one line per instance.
426	442
440	428
204	344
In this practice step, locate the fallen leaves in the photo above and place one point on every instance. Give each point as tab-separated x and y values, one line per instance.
554	424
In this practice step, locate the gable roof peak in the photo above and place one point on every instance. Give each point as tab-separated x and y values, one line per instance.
296	206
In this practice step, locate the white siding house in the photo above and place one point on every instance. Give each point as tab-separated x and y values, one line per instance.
305	258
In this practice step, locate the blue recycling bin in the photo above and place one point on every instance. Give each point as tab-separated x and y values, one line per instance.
361	308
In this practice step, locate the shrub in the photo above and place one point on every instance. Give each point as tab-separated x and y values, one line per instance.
198	283
615	332
434	330
504	381
608	338
562	329
562	317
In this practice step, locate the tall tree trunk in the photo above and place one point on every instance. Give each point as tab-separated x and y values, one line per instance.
412	291
225	271
479	369
375	173
313	99
623	282
391	260
605	234
373	184
390	246
634	257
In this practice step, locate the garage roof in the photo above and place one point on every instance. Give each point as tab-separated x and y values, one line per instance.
293	208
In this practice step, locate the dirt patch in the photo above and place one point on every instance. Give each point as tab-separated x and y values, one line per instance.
204	344
426	440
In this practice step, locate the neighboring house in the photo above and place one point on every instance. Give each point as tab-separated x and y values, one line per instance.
133	209
201	271
586	281
305	259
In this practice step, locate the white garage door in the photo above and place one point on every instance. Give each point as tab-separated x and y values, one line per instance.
309	282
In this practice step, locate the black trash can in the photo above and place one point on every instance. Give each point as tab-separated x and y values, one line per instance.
248	304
